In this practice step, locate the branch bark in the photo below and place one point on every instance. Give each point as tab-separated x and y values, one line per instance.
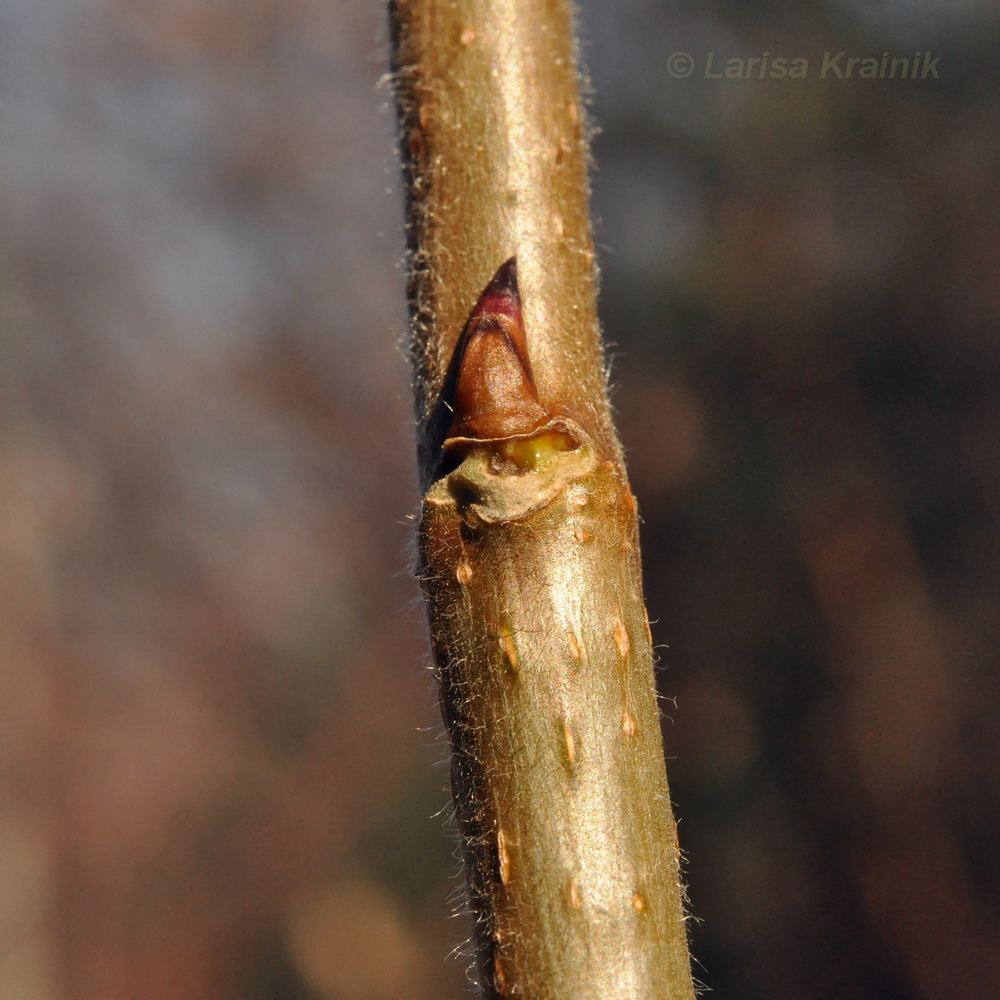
528	535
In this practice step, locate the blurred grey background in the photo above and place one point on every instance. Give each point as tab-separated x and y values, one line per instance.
219	748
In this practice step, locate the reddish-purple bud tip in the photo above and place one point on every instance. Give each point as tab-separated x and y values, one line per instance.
501	295
495	395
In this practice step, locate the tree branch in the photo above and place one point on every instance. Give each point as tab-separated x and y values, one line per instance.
528	535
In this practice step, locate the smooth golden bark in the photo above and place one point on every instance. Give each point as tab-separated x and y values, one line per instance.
528	535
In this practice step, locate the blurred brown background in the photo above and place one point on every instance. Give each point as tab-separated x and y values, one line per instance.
219	747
